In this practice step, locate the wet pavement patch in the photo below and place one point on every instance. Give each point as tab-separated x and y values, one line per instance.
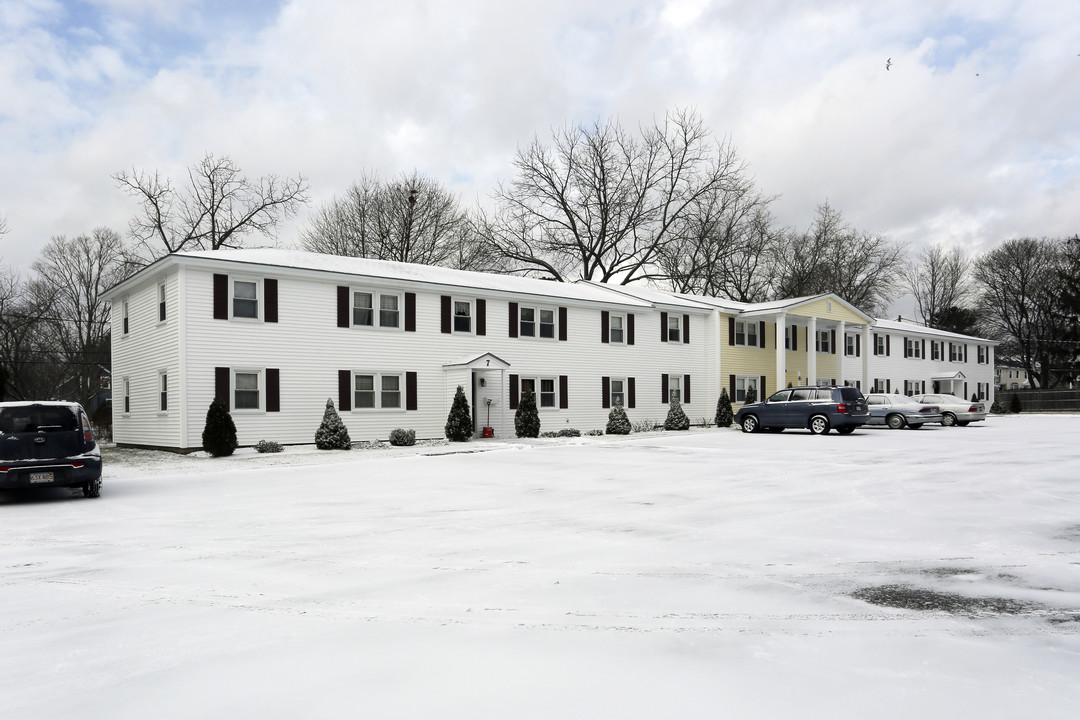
907	597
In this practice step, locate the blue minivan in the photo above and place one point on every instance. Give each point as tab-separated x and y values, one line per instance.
817	409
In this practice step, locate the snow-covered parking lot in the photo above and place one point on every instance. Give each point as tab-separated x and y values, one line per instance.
888	574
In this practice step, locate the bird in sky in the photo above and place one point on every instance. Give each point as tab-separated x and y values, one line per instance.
888	63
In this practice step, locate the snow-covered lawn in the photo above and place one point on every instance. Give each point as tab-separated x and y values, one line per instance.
707	574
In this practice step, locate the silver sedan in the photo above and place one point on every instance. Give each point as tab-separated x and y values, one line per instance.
896	411
955	410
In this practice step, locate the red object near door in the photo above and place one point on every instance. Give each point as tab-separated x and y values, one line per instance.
489	432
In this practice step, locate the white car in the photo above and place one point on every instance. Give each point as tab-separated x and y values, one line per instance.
955	410
896	411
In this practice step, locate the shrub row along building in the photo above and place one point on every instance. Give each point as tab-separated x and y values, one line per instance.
277	332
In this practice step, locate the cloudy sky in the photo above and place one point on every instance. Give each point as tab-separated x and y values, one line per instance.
972	136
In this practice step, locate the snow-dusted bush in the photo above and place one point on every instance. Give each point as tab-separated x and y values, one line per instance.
640	426
332	433
526	417
459	425
219	434
565	432
617	421
268	446
676	418
997	407
724	414
401	437
594	433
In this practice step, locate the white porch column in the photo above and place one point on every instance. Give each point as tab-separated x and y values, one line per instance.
841	353
867	351
781	352
811	351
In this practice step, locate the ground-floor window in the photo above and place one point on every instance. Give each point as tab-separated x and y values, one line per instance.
618	392
744	384
246	393
163	392
375	391
546	397
913	387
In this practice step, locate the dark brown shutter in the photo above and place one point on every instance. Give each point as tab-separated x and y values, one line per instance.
686	328
762	392
631	393
761	334
481	316
858	384
875	343
731	387
562	324
794	337
605	325
630	330
905	348
731	331
221	384
808	339
965	360
564	392
686	389
888	348
832	381
664	388
832	342
513	329
888	384
273	390
343	306
221	297
605	389
344	390
923	349
513	392
663	327
446	314
410	312
858	346
270	312
410	391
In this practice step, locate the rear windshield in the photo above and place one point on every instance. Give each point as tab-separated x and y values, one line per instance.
32	418
850	394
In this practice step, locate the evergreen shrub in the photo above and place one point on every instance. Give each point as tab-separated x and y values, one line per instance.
676	418
332	433
724	414
526	417
617	421
402	438
459	424
1014	404
997	407
219	434
268	446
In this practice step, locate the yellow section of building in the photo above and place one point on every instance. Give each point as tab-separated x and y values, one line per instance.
828	309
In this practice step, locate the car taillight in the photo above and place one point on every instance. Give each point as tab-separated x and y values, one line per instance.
973	408
76	465
841	407
928	410
4	468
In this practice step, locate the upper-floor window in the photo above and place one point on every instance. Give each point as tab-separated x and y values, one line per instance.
746	333
957	352
674	325
850	344
389	311
124	315
537	322
363	308
462	316
617	330
824	341
880	344
161	302
245	299
365	303
914	347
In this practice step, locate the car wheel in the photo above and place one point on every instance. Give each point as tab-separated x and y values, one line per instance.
914	426
749	424
962	423
948	419
846	430
92	489
819	424
895	422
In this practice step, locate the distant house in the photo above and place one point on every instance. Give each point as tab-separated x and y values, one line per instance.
1011	377
277	332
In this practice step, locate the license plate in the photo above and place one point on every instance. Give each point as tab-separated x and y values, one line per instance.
41	477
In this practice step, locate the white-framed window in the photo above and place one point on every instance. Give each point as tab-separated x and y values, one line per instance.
674	328
617	328
914	347
879	385
161	302
744	383
543	389
879	341
787	337
849	344
372	308
378	391
363	308
618	392
536	322
463	313
675	384
245	298
824	338
126	385
125	316
247	389
746	333
824	382
913	387
389	310
956	352
163	392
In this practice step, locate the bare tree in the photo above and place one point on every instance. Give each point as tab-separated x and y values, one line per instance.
72	277
601	203
411	219
1021	303
863	268
29	363
939	280
218	208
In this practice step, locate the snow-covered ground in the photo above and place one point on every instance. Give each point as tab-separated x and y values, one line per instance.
666	575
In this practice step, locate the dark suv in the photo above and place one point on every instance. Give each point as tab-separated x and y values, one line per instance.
817	408
46	444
